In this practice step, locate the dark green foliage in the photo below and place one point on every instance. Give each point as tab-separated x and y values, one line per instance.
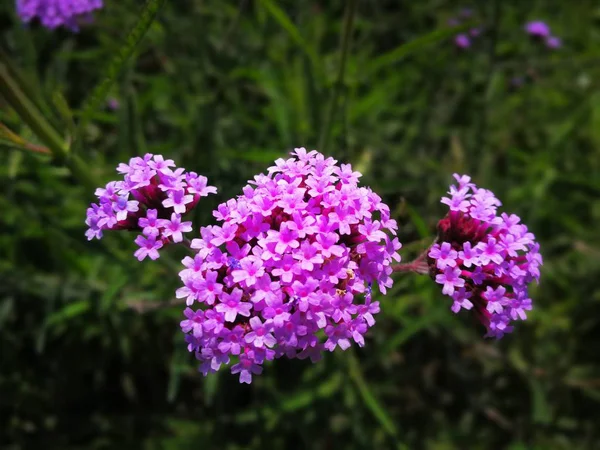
91	355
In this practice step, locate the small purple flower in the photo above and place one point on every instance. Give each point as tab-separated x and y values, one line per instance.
174	228
461	300
122	207
260	335
337	336
445	255
251	269
246	367
489	251
149	246
149	224
178	201
468	255
161	165
450	279
193	323
231	305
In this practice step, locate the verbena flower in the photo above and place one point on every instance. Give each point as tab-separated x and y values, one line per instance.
553	42
152	198
288	272
483	260
541	31
56	13
537	28
462	41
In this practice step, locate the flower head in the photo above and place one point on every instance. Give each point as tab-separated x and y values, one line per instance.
484	260
553	42
537	28
293	259
56	13
152	198
462	41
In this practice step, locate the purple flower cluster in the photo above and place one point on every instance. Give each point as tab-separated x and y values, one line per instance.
484	260
541	31
55	13
291	266
464	40
152	198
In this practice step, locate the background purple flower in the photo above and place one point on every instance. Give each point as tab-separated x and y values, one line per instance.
462	41
537	28
553	42
56	13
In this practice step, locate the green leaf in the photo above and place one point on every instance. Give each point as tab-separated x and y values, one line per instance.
65	111
368	397
541	407
418	222
17	97
68	312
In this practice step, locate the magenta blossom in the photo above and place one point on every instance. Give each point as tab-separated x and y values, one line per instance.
537	28
152	198
484	260
288	272
56	13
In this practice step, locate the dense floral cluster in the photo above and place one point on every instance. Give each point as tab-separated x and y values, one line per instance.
56	13
483	260
152	198
295	257
541	31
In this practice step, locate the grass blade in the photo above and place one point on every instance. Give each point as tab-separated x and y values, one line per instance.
282	19
369	398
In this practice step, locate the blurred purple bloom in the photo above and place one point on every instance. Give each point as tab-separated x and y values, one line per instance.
465	13
55	13
537	28
517	82
113	104
462	41
553	42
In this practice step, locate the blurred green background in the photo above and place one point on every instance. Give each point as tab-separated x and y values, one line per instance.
91	355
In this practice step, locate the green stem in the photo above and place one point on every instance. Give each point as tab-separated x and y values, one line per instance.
31	115
35	120
333	103
116	65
